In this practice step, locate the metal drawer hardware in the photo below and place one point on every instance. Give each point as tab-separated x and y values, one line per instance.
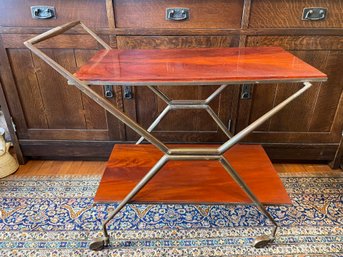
177	14
43	12
314	13
246	91
127	92
108	91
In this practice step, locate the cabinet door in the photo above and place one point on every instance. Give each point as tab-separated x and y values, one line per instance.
180	125
314	117
43	105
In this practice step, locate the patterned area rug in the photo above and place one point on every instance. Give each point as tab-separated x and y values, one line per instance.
55	216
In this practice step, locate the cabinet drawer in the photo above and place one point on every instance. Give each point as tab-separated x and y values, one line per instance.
289	14
202	13
18	12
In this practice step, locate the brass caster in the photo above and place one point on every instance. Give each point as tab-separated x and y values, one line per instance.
262	241
99	244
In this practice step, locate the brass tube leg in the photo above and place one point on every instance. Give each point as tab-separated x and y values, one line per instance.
99	243
218	121
160	94
239	136
215	93
261	241
155	123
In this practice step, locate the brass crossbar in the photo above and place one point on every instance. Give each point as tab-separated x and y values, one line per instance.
187	104
180	154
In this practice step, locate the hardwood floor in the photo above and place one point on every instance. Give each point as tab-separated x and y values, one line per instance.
46	168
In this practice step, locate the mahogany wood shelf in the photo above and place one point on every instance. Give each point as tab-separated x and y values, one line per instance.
196	66
190	181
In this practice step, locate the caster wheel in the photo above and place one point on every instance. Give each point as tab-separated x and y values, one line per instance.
99	244
262	241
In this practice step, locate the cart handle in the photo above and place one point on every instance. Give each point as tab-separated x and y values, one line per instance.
61	29
82	86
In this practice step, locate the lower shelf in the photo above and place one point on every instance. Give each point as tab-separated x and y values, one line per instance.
190	181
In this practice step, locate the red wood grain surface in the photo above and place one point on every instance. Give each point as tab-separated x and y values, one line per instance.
197	65
190	181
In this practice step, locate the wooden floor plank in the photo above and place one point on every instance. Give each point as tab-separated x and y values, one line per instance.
49	168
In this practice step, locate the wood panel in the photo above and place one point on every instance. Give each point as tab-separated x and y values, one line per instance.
94	115
302	42
202	66
28	88
313	116
61	41
288	14
18	13
52	109
54	149
167	42
203	14
190	181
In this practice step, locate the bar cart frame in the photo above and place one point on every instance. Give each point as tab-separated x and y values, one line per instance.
179	154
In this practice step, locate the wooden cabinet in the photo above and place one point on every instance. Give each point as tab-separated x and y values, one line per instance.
314	117
42	104
53	120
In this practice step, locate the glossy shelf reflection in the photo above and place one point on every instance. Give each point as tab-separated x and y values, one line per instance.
196	66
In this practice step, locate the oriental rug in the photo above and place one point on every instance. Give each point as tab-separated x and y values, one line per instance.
55	216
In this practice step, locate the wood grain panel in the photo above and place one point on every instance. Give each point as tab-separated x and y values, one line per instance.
207	66
203	14
11	93
288	14
329	96
313	116
298	42
61	41
95	116
68	134
53	109
297	116
263	99
62	102
167	42
28	88
190	181
18	13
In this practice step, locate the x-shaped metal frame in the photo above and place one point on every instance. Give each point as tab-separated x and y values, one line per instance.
180	154
187	104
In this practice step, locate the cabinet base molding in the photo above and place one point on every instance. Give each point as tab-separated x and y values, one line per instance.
100	150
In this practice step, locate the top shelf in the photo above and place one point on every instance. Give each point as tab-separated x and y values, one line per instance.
197	66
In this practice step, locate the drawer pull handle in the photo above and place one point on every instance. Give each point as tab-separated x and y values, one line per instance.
177	14
43	12
108	91
128	94
314	14
246	92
